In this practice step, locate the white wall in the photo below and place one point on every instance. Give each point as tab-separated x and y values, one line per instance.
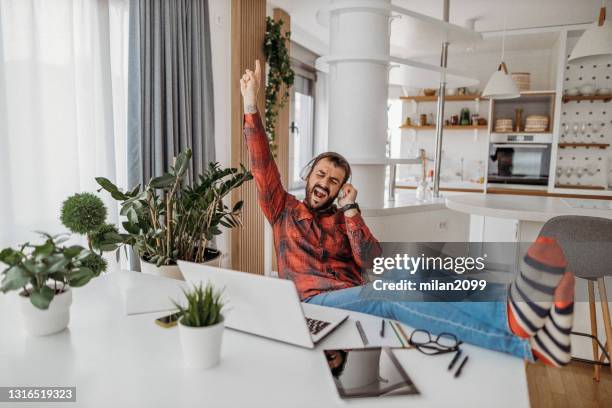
220	31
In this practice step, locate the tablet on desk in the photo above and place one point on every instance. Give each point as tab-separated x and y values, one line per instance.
368	372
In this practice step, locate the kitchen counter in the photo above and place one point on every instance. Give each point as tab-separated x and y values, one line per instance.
522	208
405	202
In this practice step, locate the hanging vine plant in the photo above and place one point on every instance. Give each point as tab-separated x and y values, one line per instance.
276	50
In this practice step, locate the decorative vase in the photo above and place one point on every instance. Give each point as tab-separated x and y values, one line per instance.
201	345
53	320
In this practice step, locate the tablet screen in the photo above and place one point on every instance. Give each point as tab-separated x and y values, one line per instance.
368	372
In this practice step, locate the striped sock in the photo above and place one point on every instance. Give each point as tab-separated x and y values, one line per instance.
552	343
532	292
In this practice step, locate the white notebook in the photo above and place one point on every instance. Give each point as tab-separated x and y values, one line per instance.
145	293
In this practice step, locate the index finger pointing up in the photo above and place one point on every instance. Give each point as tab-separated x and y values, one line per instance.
257	69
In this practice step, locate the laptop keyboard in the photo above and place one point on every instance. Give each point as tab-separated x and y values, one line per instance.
315	326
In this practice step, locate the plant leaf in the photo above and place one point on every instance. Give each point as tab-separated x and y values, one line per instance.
41	298
80	277
164	181
14	278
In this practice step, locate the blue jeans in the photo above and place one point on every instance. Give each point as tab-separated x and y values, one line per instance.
484	324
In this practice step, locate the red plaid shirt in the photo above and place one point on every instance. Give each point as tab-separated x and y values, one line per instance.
319	252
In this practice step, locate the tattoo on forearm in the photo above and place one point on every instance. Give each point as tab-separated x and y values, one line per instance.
250	109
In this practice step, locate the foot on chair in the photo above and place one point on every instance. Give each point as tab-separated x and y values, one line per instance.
552	343
531	294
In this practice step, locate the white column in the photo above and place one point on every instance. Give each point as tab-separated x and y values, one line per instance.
358	93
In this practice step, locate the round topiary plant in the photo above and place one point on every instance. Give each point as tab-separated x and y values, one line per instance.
95	262
97	236
83	213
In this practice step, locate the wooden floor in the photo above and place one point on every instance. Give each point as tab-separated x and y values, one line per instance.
571	386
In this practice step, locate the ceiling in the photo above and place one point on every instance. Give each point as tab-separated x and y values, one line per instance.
488	15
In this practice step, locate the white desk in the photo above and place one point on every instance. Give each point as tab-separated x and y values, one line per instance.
128	361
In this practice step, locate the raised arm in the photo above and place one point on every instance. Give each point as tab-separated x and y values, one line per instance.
270	192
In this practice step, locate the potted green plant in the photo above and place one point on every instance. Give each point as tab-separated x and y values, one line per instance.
168	220
44	275
201	326
85	214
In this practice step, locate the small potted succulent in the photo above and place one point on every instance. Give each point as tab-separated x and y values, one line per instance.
44	275
168	220
201	326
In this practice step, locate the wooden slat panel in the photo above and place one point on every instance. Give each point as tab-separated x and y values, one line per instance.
282	122
248	31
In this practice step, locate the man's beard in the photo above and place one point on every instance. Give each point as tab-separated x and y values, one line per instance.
308	198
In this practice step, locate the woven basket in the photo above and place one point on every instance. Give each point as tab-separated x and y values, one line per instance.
522	80
503	125
536	123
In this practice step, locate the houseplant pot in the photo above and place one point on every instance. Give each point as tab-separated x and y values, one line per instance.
54	319
44	275
201	326
213	258
201	345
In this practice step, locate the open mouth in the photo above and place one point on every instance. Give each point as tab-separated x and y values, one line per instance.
319	193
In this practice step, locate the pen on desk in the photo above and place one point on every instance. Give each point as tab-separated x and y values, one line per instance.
452	364
361	333
458	373
382	328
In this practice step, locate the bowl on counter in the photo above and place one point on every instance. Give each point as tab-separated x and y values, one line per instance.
429	92
587	90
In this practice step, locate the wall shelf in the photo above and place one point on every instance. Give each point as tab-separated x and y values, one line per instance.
457	127
449	98
569	98
587	145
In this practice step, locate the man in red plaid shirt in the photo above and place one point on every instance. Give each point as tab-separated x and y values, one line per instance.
324	250
319	246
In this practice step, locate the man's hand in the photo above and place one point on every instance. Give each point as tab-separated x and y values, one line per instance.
249	87
347	195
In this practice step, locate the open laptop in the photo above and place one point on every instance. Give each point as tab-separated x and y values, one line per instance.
265	306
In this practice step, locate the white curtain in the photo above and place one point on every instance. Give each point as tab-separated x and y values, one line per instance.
63	73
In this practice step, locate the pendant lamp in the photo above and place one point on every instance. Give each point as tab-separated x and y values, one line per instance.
595	43
501	85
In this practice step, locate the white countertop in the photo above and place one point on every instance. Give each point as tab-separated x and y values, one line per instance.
405	202
519	207
116	360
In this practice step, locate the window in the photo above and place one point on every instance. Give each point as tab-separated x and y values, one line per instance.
301	131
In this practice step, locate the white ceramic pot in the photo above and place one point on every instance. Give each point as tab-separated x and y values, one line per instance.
39	322
168	271
173	271
201	345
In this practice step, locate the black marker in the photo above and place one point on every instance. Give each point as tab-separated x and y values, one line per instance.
458	373
382	328
452	364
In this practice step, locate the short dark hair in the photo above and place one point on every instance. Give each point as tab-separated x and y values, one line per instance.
335	158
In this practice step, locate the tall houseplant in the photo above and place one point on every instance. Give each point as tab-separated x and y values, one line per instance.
168	221
276	50
43	275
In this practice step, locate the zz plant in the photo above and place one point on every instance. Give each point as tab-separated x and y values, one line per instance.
280	73
166	220
36	270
